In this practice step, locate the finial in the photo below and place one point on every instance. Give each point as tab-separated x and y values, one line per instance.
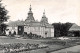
44	11
30	7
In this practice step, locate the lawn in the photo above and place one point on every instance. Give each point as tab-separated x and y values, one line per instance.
53	44
31	41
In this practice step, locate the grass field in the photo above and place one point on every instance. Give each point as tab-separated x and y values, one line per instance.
53	46
31	41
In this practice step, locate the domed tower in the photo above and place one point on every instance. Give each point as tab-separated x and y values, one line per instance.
44	18
30	15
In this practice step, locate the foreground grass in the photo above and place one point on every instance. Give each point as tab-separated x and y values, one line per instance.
53	44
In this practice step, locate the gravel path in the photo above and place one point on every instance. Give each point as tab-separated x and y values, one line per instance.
74	49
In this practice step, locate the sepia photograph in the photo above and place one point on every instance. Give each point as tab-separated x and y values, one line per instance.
39	26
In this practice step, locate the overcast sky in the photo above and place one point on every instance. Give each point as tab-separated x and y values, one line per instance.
56	10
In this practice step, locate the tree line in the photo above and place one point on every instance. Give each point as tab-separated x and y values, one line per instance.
61	29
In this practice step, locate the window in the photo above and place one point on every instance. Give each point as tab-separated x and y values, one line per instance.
46	33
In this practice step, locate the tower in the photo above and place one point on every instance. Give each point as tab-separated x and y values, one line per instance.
30	15
44	18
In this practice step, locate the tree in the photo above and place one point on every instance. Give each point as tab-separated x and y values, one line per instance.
61	29
57	29
67	27
3	18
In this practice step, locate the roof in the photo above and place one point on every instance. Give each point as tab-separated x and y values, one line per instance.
15	23
74	28
38	24
24	23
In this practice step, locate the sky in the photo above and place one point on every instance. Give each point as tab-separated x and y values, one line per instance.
56	10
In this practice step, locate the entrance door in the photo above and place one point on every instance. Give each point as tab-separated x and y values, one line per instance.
20	30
